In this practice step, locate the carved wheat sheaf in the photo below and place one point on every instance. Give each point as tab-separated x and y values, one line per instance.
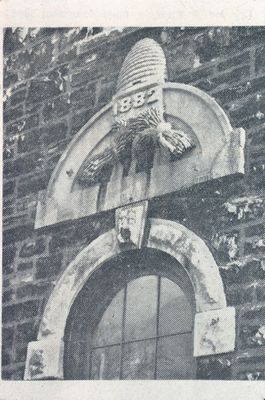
129	138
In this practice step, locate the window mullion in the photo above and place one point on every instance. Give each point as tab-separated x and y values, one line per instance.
123	329
157	322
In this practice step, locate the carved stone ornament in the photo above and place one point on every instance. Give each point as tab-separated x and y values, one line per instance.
130	138
130	224
155	137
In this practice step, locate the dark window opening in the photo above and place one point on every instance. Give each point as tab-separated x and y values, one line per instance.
132	322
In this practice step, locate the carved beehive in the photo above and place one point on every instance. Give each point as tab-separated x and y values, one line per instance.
145	64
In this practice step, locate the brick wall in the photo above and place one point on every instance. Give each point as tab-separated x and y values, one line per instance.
54	81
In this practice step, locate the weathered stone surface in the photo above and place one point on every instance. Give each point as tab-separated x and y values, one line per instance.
178	241
16	234
12	313
8	188
6	357
55	133
260	57
8	254
25	266
214	332
26	123
17	97
29	142
56	108
13	114
42	89
21	354
48	266
80	119
257	312
241	295
26	332
34	290
8	336
8	296
30	309
42	361
252	336
32	248
214	368
242	58
243	271
33	184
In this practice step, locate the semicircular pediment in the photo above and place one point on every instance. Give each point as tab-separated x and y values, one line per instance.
155	137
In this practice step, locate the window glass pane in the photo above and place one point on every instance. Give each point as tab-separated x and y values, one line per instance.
174	357
139	360
141	308
109	329
175	311
105	363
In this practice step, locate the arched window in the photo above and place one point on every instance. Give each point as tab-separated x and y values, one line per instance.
132	320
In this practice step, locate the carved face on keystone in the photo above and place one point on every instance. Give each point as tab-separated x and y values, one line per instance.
125	235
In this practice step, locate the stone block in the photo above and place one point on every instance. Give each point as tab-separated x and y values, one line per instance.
242	58
26	332
12	313
240	295
214	332
260	60
10	78
7	296
56	108
214	368
29	142
42	89
44	359
252	336
13	114
21	232
33	290
54	133
80	119
24	124
8	336
33	184
17	97
32	247
8	254
83	97
47	267
256	313
8	188
25	266
261	292
20	354
30	309
6	357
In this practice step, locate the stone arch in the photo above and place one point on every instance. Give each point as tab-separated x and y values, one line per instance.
45	356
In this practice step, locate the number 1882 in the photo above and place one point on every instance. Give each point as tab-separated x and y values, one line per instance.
136	100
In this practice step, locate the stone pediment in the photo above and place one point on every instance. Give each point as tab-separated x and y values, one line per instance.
155	137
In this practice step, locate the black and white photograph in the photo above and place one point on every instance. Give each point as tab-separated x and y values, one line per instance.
133	195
